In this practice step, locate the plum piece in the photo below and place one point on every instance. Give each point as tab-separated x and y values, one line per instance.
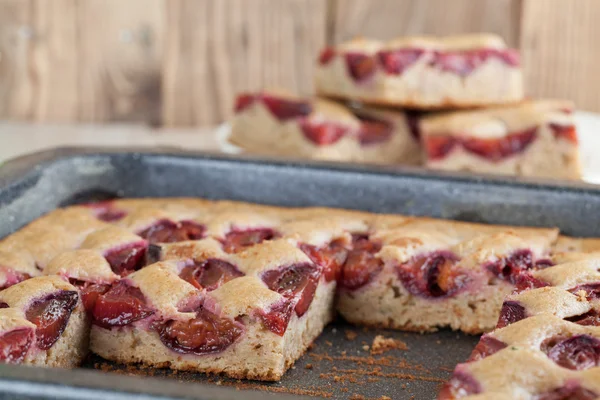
511	267
578	352
374	130
297	281
487	346
460	385
237	240
592	290
277	317
15	344
361	266
432	275
12	277
360	66
166	231
322	133
510	312
90	292
243	101
209	274
590	318
51	315
119	306
395	62
207	333
326	55
524	281
125	260
284	108
439	146
500	148
330	258
567	132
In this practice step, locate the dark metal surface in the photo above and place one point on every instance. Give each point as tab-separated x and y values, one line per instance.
338	365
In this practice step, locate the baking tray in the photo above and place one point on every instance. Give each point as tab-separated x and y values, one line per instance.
340	364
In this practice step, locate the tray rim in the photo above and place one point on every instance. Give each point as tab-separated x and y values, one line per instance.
20	167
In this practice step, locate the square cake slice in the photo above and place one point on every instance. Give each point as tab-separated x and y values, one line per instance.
536	138
43	322
248	314
551	329
274	123
422	72
425	274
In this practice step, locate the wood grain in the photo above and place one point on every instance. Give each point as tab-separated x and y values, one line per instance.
559	46
120	55
181	62
215	49
80	60
15	86
387	19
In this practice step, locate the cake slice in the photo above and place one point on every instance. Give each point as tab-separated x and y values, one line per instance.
274	123
425	274
249	314
43	322
422	72
536	138
551	329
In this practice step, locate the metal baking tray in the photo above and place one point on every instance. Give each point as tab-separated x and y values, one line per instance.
340	364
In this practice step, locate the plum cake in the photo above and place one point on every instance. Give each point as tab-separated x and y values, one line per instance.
242	290
550	327
422	72
276	123
425	274
535	138
43	322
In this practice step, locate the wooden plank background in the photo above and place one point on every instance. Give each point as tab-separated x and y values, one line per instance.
181	62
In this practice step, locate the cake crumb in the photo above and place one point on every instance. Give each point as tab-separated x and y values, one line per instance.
328	343
366	347
308	366
381	345
350	335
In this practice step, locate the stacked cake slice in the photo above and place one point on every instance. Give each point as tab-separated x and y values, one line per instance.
410	101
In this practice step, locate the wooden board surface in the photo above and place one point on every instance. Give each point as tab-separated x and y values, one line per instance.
387	19
181	62
218	48
560	46
80	60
